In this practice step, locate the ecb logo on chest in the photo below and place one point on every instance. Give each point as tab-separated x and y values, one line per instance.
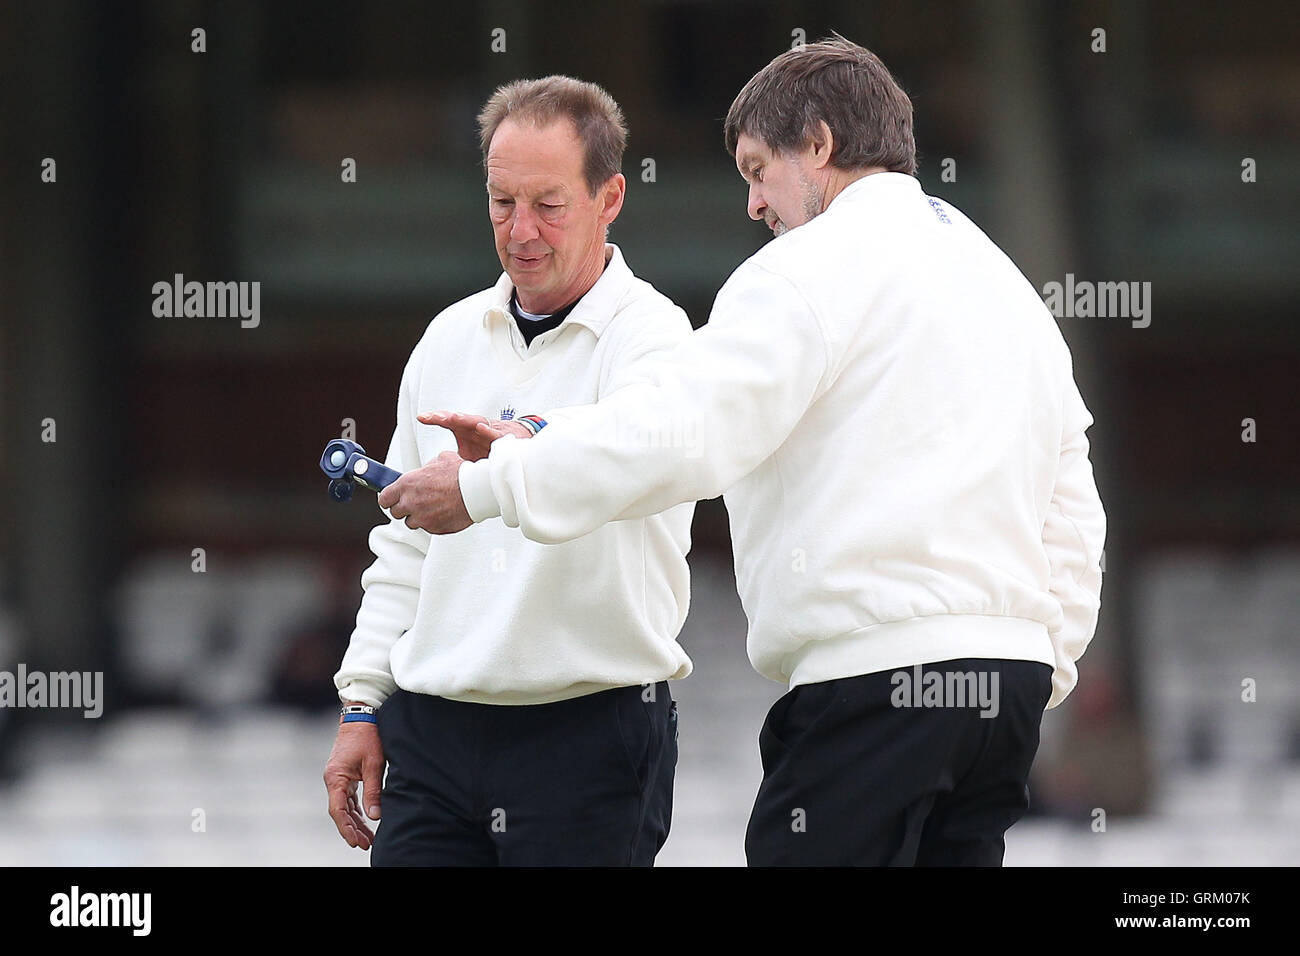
508	413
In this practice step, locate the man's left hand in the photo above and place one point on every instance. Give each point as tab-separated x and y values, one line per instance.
429	497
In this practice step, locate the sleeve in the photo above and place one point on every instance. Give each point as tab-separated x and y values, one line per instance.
721	403
1073	537
391	584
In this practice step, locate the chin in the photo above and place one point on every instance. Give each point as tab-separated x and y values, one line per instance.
525	281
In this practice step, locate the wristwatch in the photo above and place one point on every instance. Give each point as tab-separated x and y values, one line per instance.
357	713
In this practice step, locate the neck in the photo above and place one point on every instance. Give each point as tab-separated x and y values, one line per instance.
841	179
548	303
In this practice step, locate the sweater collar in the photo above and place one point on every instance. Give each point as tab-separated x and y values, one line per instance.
595	309
876	186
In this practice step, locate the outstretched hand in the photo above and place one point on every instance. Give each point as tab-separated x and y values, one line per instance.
474	433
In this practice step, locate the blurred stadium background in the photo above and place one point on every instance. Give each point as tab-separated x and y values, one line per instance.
176	434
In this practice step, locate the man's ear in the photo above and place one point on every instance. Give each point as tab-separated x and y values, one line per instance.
821	145
611	198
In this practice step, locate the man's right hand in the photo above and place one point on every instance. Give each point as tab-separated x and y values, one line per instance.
474	433
357	757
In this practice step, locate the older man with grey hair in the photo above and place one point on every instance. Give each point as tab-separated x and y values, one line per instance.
517	691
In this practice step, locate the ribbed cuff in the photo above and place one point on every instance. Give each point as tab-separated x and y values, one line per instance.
476	490
363	691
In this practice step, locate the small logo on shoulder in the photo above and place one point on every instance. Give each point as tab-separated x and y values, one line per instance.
938	211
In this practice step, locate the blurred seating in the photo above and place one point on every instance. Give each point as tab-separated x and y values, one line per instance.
1207	622
212	638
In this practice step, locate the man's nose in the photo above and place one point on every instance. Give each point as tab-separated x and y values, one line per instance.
756	205
524	226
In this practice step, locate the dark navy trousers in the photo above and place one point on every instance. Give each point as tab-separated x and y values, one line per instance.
882	770
580	782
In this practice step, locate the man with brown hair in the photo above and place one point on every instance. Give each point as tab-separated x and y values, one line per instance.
517	692
891	412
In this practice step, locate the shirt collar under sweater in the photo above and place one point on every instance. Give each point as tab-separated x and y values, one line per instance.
595	309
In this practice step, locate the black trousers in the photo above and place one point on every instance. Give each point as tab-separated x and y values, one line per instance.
581	782
882	770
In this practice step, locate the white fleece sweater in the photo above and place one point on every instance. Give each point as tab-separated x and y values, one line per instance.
891	411
487	615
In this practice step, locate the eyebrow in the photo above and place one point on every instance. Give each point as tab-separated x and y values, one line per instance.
551	192
747	165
